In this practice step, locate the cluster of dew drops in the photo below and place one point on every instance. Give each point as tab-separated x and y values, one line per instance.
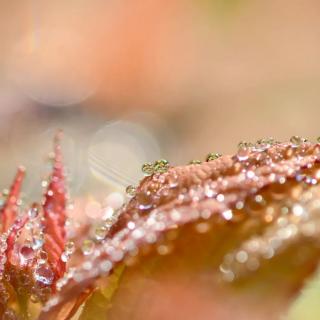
244	150
242	155
101	228
24	255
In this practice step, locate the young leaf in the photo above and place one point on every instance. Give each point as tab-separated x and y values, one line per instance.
54	208
10	208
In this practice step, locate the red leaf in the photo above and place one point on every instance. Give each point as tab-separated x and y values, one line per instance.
54	208
16	227
10	208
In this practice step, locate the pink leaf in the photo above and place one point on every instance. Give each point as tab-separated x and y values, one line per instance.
16	227
54	207
10	208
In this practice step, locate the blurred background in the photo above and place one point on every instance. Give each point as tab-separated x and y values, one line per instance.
133	81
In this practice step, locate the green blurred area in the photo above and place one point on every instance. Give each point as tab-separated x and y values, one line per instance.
307	306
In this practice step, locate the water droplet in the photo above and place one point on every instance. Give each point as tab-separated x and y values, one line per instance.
213	156
33	212
37	242
131	190
228	276
202	227
298	210
195	162
242	256
144	201
263	144
114	200
69	247
64	257
42	257
243	153
34	298
105	265
220	197
245	144
254	204
87	247
108	214
44	275
148	169
173	182
228	215
297	141
101	232
26	254
161	166
163	250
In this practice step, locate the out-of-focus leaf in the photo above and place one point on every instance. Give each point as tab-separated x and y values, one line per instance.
235	237
97	305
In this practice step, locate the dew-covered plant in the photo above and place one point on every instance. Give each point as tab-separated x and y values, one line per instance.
233	237
32	242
